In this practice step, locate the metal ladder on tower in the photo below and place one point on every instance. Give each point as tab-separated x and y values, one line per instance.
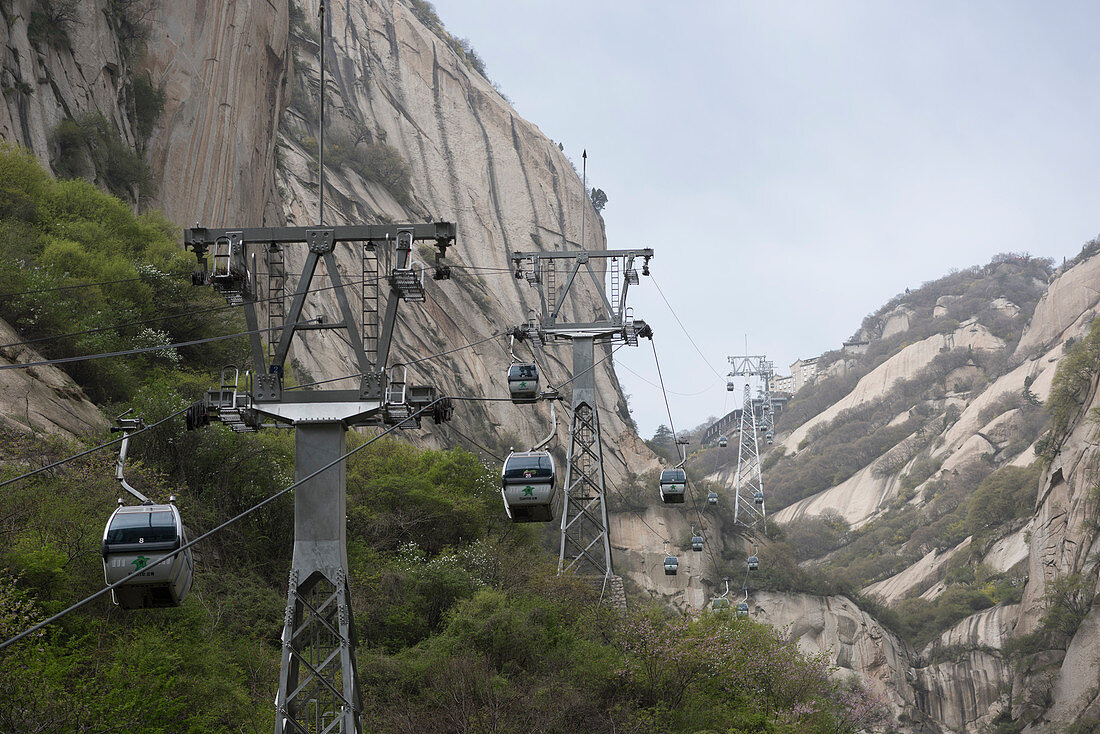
551	285
276	295
614	286
369	288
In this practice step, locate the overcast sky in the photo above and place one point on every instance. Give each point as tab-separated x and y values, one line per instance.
796	164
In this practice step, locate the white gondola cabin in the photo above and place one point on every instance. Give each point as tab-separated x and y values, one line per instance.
136	537
743	607
523	382
722	442
758	497
697	543
672	565
528	486
712	498
753	563
720	602
672	485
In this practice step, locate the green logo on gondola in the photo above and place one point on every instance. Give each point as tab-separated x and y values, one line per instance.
523	384
140	562
528	491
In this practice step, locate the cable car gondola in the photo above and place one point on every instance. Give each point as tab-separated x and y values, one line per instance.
134	538
753	563
758	497
743	607
528	486
672	485
722	442
712	498
697	543
720	602
523	382
672	564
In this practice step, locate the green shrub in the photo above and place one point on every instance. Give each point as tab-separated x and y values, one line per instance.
91	146
1005	494
1076	371
149	102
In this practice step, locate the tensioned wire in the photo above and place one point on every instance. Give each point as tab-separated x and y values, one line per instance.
170	316
672	427
91	450
207	534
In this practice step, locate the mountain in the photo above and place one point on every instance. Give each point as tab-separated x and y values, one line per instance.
943	482
933	497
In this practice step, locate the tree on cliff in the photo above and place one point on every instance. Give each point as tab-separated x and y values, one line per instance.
599	199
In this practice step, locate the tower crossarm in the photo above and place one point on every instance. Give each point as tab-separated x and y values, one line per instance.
234	274
751	366
529	265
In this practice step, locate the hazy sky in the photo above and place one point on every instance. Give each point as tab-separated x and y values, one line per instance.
796	164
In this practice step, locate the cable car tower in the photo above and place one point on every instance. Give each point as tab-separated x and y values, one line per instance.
756	419
318	682
585	544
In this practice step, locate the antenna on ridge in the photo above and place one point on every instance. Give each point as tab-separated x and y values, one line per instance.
584	188
321	122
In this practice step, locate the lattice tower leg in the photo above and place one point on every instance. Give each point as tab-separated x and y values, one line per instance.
747	480
585	541
319	680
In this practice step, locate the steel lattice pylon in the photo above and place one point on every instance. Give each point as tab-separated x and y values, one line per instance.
747	482
318	673
318	681
585	543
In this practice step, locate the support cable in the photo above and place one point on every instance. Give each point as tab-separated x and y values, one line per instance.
68	287
178	315
91	450
682	327
672	427
204	536
139	350
670	392
422	359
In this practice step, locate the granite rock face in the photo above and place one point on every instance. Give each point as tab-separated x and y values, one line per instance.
42	399
57	68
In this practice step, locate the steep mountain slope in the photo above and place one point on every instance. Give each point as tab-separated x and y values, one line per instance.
944	506
413	132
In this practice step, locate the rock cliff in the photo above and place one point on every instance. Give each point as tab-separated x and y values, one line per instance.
237	145
1002	664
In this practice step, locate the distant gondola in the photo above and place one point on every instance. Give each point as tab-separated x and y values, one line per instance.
697	543
712	498
720	602
137	536
722	442
672	485
758	497
753	563
672	564
523	382
743	607
528	486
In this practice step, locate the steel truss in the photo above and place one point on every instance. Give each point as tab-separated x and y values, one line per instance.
747	482
757	418
585	541
318	680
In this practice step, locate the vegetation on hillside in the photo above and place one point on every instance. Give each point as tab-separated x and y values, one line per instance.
349	143
462	622
966	294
